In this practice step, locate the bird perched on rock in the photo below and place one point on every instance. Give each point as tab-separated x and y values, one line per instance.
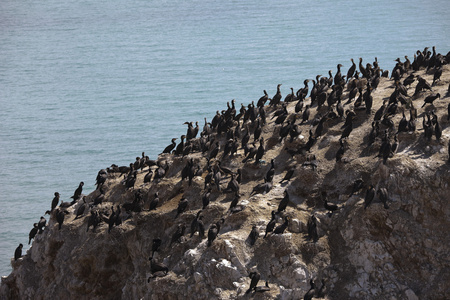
194	223
101	178
182	206
176	237
370	194
156	243
430	99
41	224
288	174
382	194
310	294
212	233
81	209
281	228
33	232
262	188
169	148
77	193
312	229
284	202
206	198
340	152
157	266
154	202
271	225
148	176
254	276
60	215
55	202
18	252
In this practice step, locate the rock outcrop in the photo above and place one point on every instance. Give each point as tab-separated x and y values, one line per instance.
394	248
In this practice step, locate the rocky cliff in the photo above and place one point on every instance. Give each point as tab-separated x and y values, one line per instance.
367	212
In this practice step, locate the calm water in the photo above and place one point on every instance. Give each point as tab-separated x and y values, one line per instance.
84	84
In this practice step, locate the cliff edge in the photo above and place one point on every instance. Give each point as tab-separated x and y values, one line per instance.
365	214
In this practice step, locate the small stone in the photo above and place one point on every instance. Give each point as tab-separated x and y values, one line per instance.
410	295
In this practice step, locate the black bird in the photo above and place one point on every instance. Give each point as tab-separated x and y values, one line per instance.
254	276
379	113
148	176
262	101
357	185
340	108
60	215
254	234
312	229
206	198
294	132
41	224
18	252
289	174
212	233
448	109
403	124
101	178
155	246
234	202
81	209
437	76
281	228
94	220
409	80
55	201
370	194
157	266
284	202
271	172
169	148
180	147
430	99
386	148
233	185
194	223
347	130
299	106
277	97
271	225
111	220
154	202
310	294
368	100
214	151
351	70
382	194
77	192
305	115
176	237
437	131
262	188
340	151
131	180
33	232
182	206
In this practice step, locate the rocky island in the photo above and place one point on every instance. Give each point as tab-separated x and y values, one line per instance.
339	190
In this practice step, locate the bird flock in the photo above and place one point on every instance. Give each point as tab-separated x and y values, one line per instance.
243	137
